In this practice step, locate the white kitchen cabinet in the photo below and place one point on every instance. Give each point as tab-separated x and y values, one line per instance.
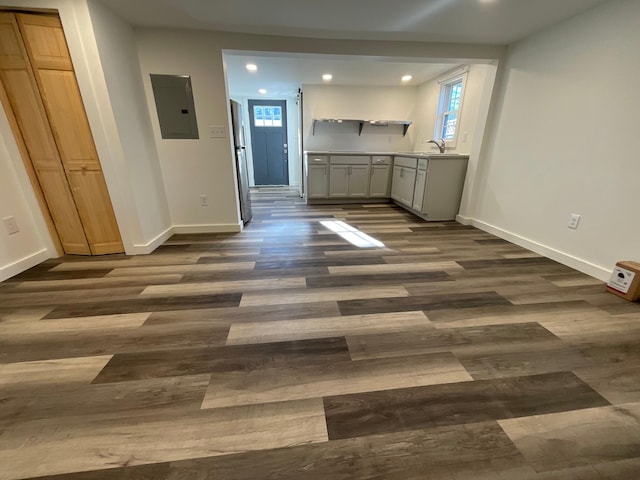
317	176
380	176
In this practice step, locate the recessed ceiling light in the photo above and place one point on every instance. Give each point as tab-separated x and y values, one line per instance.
327	76
406	78
252	67
262	91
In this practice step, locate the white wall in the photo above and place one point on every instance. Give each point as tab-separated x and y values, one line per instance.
202	166
355	102
564	139
138	154
29	246
206	166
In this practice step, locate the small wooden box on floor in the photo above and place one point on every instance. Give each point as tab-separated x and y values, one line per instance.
625	280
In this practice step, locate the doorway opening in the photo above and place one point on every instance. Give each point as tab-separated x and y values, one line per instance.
269	144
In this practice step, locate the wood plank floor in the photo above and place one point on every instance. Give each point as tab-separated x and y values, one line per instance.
285	352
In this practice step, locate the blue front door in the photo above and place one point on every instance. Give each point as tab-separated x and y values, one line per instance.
269	141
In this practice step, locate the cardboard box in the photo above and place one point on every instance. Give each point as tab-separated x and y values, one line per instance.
625	280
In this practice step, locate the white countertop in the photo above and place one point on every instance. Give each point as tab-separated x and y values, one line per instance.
395	154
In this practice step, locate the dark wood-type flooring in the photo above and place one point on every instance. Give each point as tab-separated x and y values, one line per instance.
285	352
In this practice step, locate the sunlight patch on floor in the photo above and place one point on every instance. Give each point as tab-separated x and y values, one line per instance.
352	234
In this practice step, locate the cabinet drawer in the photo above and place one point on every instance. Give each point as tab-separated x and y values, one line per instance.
380	160
317	159
349	160
405	162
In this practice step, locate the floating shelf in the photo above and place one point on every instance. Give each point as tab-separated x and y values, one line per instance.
361	123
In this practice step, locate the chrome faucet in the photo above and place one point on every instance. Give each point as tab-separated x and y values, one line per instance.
440	144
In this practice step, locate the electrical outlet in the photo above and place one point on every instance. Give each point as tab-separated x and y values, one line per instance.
217	131
574	221
11	225
204	200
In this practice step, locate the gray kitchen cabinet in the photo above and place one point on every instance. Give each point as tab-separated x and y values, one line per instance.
380	176
317	176
404	180
442	192
359	181
421	181
429	186
339	181
349	176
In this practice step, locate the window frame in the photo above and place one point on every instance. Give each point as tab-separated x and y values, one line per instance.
446	85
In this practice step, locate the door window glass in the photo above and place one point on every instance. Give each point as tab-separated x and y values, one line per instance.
267	116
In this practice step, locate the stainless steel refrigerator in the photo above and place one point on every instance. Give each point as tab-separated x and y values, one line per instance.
241	161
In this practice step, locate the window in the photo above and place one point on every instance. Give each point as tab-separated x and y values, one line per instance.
267	116
449	109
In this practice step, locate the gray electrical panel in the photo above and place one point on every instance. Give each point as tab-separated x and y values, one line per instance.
174	104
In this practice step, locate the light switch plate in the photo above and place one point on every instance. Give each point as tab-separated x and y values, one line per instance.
11	225
217	131
574	221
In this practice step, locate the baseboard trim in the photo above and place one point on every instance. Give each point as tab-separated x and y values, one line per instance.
146	248
464	220
212	228
562	257
23	264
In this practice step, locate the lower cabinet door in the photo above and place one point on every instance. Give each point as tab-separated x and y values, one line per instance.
396	184
379	181
359	181
408	185
318	181
339	181
418	195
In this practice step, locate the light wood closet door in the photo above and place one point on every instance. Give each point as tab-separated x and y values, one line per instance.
28	110
47	50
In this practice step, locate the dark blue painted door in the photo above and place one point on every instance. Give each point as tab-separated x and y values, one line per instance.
269	141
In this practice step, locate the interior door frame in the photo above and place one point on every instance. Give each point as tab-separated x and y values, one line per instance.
285	126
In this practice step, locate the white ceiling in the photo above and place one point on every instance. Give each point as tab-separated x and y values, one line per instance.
282	75
468	21
460	21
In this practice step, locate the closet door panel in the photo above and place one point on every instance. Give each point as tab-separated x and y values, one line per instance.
31	118
90	191
68	119
63	210
26	107
45	41
11	52
49	56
